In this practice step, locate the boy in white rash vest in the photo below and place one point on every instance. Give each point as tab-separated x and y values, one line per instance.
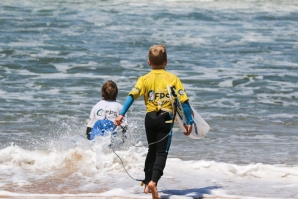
103	114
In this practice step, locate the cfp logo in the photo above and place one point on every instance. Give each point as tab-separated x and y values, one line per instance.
106	113
152	95
100	112
181	92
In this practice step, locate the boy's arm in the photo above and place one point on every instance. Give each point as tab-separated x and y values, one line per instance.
187	112
88	132
189	119
185	105
90	123
128	102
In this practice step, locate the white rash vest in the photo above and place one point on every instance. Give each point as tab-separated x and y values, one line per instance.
105	110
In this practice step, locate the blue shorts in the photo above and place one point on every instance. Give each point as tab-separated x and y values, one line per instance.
102	128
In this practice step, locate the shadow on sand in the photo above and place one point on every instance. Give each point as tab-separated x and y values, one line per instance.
190	193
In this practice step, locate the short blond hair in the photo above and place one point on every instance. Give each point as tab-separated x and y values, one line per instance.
109	90
157	55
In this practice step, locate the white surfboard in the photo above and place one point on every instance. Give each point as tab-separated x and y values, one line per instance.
199	128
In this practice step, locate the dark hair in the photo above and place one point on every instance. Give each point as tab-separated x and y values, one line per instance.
109	90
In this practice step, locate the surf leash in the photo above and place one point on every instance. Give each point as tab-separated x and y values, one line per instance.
124	166
173	120
124	128
75	140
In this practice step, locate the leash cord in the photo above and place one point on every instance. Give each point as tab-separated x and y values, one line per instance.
123	166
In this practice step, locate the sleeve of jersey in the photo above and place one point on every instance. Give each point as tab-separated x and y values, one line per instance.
187	112
128	102
180	91
137	90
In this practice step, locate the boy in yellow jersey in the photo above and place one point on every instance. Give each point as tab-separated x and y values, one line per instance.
153	86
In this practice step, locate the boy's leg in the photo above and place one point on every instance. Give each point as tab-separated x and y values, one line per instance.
148	169
164	136
157	130
151	155
161	157
153	189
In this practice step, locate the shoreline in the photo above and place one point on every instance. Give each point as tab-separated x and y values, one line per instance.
116	197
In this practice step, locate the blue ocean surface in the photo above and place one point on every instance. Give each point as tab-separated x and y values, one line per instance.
237	59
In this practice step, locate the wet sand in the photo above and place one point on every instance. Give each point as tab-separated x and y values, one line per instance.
113	197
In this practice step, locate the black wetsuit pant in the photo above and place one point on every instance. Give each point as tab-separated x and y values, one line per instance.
157	130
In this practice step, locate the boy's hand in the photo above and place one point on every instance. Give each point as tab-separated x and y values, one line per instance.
188	129
118	120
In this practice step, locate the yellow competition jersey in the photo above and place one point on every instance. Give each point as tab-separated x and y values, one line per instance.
153	86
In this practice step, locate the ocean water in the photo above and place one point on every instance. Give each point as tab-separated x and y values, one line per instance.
238	60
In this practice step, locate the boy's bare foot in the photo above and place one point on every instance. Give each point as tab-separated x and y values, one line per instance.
146	190
152	187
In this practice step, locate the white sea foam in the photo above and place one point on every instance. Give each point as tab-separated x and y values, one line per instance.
282	115
62	67
191	178
45	53
136	66
226	83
